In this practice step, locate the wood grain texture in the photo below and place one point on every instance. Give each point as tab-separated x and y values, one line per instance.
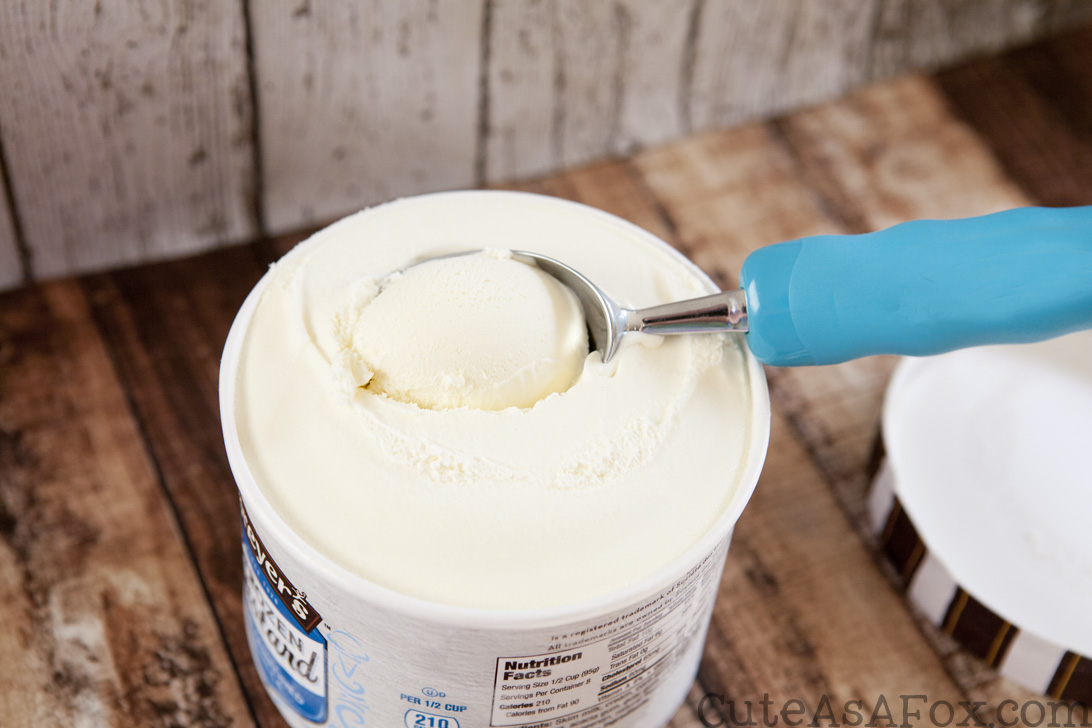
12	271
613	186
363	102
591	42
729	193
926	35
166	325
126	128
105	621
877	158
108	401
571	81
521	83
658	41
757	59
130	132
1032	108
803	612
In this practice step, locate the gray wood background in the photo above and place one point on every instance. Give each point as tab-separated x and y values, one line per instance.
134	130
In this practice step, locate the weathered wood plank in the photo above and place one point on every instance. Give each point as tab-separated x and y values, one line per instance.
570	81
803	611
591	42
851	166
926	35
611	186
105	621
126	129
757	59
363	102
619	66
11	266
165	325
129	132
1061	15
1032	108
657	43
728	194
521	88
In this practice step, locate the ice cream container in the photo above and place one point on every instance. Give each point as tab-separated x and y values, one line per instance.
334	648
981	503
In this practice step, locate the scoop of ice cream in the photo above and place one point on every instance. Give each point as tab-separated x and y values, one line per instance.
483	331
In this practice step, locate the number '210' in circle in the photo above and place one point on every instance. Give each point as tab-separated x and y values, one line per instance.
417	719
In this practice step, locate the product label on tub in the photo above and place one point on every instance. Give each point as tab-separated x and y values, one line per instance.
282	628
358	665
597	674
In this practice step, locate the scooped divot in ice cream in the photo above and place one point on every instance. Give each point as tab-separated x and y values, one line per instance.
430	336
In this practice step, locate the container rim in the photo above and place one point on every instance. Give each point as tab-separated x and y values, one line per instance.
261	509
920	504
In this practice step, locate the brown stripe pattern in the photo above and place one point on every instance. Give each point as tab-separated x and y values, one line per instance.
1073	680
980	630
901	543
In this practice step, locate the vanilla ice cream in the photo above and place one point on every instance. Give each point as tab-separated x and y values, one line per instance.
481	330
444	432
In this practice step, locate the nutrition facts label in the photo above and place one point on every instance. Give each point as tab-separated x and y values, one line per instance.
603	671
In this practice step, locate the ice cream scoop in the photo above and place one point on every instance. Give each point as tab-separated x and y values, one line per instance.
918	288
430	335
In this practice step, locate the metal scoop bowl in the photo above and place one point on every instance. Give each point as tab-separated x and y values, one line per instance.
608	322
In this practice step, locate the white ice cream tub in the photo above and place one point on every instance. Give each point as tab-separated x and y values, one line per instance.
333	648
980	499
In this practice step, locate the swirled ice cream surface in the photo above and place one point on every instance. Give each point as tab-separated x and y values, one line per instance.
595	477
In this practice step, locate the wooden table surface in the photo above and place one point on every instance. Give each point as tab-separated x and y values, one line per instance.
119	530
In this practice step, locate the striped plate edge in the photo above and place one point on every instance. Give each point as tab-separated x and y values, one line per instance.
1027	659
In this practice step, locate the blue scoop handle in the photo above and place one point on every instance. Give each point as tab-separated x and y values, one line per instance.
922	287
